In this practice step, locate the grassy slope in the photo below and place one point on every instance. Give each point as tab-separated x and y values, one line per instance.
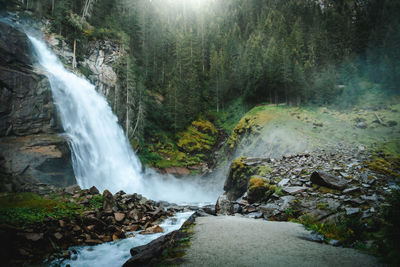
277	130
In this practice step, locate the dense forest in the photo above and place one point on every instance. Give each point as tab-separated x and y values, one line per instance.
184	58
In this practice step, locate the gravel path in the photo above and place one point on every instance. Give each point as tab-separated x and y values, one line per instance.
238	241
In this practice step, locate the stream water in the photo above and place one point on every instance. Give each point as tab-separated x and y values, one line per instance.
118	252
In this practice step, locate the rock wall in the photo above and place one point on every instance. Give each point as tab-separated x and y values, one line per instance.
31	148
101	56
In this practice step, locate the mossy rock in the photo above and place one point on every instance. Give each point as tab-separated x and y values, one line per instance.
259	189
238	178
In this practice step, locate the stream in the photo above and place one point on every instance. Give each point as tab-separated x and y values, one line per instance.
116	253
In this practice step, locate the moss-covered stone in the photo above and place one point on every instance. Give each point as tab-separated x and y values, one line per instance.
259	189
237	179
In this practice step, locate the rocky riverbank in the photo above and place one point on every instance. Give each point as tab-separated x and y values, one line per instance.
318	189
43	222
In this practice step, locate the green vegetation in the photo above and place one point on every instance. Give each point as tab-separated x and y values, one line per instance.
263	170
190	147
24	209
96	202
240	170
348	230
388	243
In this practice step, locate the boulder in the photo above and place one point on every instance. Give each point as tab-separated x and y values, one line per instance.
94	191
224	205
108	201
328	180
237	179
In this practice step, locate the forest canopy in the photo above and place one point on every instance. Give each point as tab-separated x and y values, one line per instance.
199	56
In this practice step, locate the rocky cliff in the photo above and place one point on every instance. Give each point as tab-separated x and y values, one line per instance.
31	147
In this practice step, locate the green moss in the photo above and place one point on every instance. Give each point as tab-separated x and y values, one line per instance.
259	189
23	209
240	170
190	147
385	164
264	170
96	202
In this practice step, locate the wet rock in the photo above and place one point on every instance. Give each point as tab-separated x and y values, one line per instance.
328	180
93	241
152	230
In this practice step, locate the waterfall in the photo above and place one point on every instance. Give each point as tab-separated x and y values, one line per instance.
101	154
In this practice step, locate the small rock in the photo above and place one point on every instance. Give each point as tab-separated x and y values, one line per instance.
361	125
72	189
352	211
334	242
94	191
293	190
34	236
284	182
255	215
119	216
58	236
351	190
90	227
372	198
93	241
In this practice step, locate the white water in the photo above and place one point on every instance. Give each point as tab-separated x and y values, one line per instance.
101	154
118	252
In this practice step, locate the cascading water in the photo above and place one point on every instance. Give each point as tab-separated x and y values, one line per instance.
101	154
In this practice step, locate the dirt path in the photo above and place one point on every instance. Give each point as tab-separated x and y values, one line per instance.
238	241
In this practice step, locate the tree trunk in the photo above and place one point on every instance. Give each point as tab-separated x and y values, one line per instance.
127	99
74	56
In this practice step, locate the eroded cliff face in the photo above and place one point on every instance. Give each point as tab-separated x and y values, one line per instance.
31	147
